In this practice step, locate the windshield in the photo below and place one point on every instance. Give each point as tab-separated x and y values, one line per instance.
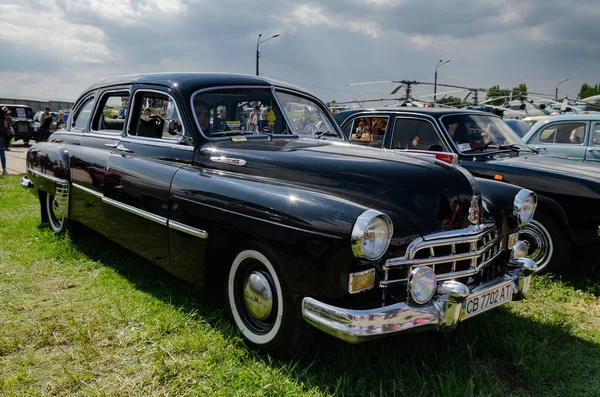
18	111
473	133
250	111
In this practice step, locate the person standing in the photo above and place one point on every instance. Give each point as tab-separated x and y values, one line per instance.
8	132
2	148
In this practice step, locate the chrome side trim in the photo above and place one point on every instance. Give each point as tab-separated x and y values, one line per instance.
228	160
88	190
144	214
52	178
61	195
187	229
259	219
157	142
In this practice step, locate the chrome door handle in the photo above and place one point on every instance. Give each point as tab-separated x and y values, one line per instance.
111	144
124	149
593	150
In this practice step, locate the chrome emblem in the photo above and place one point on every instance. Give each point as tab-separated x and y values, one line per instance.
228	160
474	211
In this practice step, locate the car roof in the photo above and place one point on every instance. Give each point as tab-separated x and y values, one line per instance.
192	81
14	105
572	117
433	112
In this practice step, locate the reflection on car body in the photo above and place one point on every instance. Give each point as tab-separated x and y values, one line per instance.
302	227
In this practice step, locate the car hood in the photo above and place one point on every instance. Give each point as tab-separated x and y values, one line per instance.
546	174
429	195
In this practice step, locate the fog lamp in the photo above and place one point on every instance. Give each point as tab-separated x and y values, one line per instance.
361	281
422	284
520	250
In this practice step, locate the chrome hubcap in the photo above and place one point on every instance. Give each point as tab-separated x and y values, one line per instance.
258	295
541	247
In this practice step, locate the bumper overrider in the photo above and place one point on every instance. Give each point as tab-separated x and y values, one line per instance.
442	313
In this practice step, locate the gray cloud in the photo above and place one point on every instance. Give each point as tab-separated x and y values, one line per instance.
322	46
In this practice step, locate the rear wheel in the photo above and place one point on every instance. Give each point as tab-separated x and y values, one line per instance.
261	306
55	214
549	247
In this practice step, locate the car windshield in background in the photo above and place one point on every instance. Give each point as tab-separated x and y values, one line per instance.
17	111
473	133
240	111
518	126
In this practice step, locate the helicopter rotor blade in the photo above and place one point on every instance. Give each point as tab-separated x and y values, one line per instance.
373	82
397	89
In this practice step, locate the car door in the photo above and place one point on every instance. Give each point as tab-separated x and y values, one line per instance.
140	169
89	155
563	139
593	150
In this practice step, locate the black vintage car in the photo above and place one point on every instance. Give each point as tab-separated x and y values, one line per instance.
22	122
568	213
299	228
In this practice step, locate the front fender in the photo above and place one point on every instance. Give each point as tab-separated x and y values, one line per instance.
498	202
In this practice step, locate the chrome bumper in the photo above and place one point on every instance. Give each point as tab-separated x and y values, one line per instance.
442	313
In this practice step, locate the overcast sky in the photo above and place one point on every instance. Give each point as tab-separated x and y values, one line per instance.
56	48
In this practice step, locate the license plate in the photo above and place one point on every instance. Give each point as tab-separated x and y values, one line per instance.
487	299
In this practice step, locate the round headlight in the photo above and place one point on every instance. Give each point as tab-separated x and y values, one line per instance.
422	284
371	235
524	206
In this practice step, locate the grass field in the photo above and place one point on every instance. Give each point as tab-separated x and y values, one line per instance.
81	316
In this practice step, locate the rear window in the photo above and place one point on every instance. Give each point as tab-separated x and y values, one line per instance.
18	111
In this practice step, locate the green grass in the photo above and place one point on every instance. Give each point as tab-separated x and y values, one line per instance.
83	317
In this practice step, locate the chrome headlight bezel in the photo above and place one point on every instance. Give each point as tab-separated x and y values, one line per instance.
422	279
362	226
524	206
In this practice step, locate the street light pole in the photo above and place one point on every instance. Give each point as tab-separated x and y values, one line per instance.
441	62
258	42
556	93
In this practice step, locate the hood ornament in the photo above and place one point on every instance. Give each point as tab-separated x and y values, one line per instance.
228	160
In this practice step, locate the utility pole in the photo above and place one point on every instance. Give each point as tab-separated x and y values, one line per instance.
441	62
258	42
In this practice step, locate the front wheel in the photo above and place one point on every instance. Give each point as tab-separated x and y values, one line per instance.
261	307
549	248
55	214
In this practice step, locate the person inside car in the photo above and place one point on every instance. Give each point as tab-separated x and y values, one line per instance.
203	116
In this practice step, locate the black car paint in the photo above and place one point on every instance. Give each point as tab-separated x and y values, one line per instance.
571	191
302	196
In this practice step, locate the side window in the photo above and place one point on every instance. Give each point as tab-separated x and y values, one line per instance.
347	129
111	112
155	115
564	133
547	135
416	134
597	134
82	117
369	131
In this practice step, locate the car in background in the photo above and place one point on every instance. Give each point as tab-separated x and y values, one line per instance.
520	127
531	120
300	229
22	122
572	136
569	193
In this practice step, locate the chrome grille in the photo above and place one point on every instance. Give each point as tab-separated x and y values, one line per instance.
451	255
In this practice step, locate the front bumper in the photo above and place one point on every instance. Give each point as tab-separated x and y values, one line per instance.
441	313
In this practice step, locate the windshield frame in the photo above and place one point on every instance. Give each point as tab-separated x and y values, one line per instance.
274	91
519	140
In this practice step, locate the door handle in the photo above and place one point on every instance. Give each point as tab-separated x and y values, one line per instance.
593	150
122	148
111	144
540	148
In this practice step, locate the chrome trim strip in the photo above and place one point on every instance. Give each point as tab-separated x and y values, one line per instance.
158	142
88	190
187	229
144	214
228	160
52	178
259	219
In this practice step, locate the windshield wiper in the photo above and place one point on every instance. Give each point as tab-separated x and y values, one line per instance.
514	147
318	135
